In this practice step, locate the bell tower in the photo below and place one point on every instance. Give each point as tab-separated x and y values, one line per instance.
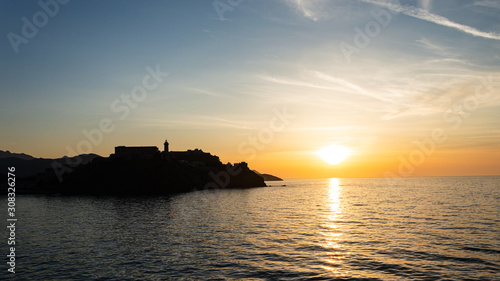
165	147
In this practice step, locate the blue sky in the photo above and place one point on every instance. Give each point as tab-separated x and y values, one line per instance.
226	76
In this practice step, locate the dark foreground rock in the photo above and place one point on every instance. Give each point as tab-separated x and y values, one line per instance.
111	176
268	177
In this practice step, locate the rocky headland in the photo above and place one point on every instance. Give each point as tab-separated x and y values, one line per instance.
157	174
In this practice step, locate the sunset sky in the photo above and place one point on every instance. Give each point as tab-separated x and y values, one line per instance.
411	87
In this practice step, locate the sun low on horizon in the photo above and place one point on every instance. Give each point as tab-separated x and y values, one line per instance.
334	154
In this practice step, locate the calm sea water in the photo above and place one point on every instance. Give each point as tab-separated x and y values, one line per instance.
439	228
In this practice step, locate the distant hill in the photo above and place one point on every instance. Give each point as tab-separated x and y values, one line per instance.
268	177
27	165
8	154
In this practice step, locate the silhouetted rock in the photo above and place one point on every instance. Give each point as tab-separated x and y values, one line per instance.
196	157
268	177
155	176
33	173
26	167
140	170
8	154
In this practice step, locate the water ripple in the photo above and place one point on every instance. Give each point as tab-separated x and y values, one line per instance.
342	229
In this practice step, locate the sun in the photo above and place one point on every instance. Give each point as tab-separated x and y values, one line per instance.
334	154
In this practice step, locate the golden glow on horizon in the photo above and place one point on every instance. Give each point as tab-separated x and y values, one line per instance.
334	154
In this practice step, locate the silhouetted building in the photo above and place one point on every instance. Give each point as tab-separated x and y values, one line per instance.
243	165
136	152
197	157
194	157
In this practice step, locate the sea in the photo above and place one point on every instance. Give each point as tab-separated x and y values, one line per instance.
428	228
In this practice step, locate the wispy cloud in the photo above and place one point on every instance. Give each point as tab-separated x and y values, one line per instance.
433	98
349	86
435	48
306	8
195	121
204	92
327	128
319	9
320	80
420	89
488	3
437	19
222	122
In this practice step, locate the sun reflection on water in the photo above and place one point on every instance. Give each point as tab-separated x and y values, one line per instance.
332	225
